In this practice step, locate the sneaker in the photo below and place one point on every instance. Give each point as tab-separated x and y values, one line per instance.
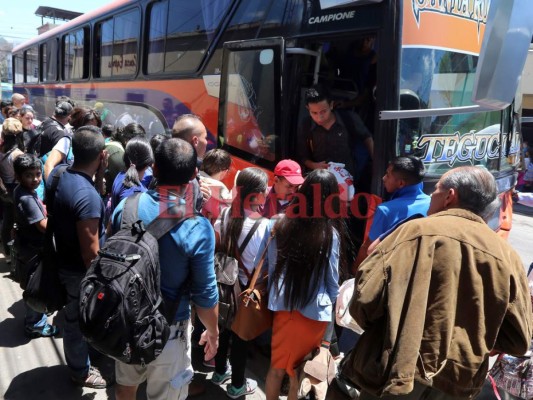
219	379
246	389
45	331
93	380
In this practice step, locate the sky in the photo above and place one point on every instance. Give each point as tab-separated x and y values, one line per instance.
19	23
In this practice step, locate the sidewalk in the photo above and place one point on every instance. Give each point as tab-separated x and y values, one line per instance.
36	369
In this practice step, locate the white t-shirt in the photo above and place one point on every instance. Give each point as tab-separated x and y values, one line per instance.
63	145
250	252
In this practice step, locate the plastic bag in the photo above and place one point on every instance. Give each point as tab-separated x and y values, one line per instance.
342	313
345	180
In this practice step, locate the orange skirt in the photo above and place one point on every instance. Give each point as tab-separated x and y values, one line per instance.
293	337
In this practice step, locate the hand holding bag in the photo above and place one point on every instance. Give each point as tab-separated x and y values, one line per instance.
342	313
316	373
253	316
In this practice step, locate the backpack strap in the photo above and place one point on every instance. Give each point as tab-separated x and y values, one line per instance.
158	228
49	243
51	194
249	236
243	245
130	213
161	226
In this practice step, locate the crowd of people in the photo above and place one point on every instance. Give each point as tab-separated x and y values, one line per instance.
434	300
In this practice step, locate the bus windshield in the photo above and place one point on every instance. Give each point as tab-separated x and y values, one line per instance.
435	78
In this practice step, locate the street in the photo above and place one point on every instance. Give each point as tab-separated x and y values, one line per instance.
36	369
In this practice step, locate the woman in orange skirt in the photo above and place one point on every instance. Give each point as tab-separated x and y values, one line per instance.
303	266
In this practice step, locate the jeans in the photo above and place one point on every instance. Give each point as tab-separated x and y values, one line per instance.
75	347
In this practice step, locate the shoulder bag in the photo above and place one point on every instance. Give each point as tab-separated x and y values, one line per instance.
227	272
253	316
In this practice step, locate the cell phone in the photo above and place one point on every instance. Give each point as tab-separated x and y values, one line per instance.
119	256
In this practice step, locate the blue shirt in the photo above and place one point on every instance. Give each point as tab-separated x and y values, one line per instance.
404	203
119	192
76	200
320	307
186	252
29	210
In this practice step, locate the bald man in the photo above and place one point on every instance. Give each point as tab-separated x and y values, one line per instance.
190	128
18	100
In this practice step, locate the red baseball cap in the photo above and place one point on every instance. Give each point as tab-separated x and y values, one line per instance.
290	170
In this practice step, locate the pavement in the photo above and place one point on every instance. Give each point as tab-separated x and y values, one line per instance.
522	210
36	368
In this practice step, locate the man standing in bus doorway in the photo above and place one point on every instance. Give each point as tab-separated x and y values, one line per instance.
331	136
424	337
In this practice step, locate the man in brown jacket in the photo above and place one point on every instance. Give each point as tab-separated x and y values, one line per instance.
437	297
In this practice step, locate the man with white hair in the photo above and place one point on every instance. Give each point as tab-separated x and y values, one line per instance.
437	297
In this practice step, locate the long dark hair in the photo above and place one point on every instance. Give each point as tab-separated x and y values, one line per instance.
305	243
137	156
250	182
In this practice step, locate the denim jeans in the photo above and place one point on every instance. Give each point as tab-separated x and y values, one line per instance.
75	347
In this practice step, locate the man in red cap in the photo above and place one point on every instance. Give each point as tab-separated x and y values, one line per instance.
287	178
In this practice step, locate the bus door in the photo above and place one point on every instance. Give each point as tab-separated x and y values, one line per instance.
249	119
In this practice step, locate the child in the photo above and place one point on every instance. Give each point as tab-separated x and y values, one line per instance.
30	217
215	166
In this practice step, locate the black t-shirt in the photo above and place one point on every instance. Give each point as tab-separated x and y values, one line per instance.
51	132
76	199
337	144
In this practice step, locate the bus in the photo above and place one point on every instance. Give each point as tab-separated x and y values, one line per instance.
6	91
244	65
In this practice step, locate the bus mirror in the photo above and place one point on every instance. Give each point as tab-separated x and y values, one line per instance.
409	100
503	53
266	56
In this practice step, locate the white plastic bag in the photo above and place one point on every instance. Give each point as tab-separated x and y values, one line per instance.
345	180
342	314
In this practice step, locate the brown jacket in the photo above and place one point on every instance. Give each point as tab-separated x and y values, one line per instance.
434	299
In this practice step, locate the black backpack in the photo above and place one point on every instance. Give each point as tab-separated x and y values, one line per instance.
122	313
44	292
227	273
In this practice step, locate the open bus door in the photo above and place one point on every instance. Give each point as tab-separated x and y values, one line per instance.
249	115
